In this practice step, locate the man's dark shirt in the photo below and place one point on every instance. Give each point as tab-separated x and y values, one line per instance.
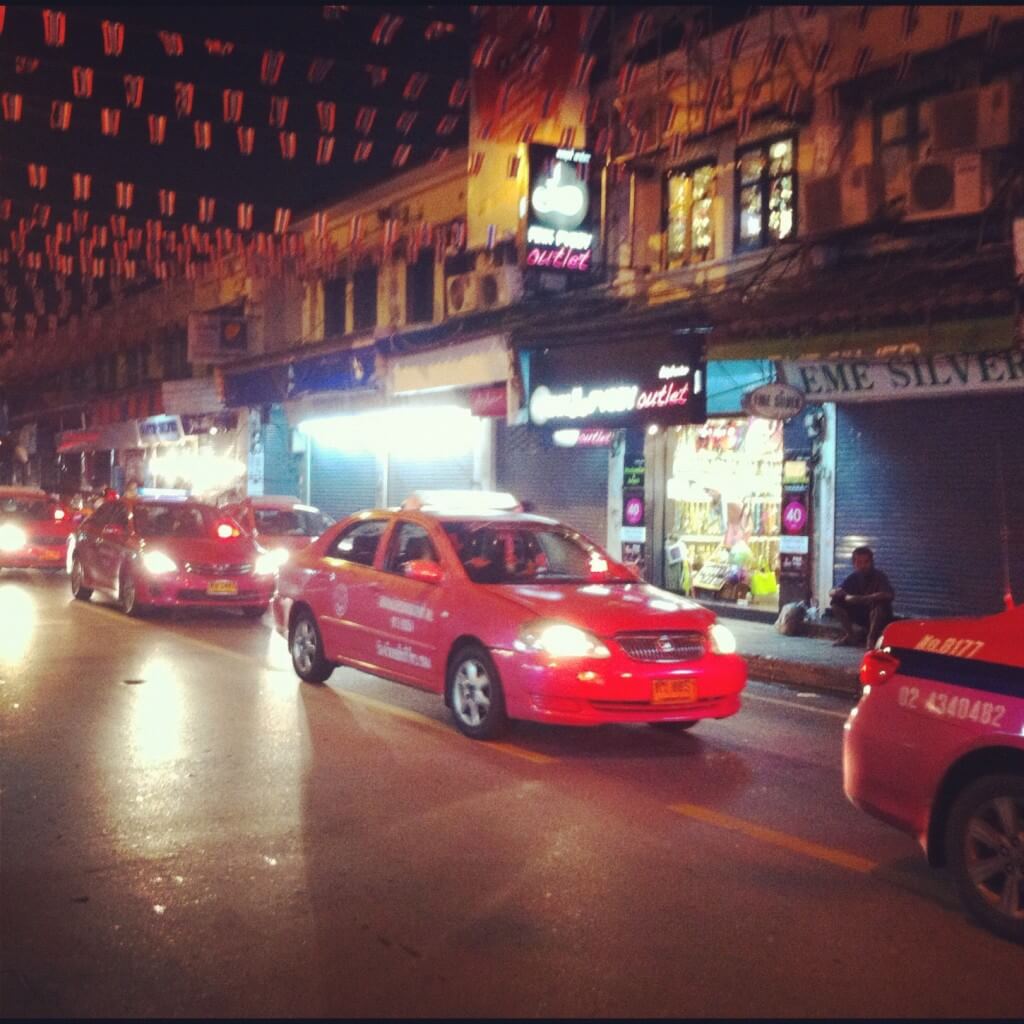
873	581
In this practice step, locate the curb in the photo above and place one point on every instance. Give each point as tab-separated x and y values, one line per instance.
802	674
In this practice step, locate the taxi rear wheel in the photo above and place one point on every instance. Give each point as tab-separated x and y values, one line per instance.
475	694
78	588
307	650
985	852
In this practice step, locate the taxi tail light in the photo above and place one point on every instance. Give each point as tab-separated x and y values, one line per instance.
59	514
878	667
226	529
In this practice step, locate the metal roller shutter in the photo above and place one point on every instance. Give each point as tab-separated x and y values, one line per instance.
408	475
917	483
568	484
280	472
342	482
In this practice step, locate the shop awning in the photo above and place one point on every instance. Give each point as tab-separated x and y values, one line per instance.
470	364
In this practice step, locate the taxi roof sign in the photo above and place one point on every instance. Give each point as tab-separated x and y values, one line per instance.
462	500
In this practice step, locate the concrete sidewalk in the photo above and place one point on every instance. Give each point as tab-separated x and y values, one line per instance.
804	661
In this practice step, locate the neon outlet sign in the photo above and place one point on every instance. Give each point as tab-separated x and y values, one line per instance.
579	403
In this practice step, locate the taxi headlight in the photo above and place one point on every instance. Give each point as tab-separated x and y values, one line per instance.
156	563
560	640
268	562
12	538
721	639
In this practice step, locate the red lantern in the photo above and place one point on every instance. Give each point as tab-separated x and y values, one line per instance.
278	111
166	198
157	129
365	117
233	99
113	38
133	90
125	193
282	218
37	176
55	27
319	68
246	140
414	87
363	151
13	103
385	29
245	216
327	113
270	67
173	44
207	205
203	132
110	121
401	157
288	143
447	124
184	97
324	149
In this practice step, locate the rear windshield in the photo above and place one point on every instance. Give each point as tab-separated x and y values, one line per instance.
174	521
290	522
24	508
525	553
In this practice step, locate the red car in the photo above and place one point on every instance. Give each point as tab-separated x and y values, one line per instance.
936	748
34	529
162	553
280	525
507	615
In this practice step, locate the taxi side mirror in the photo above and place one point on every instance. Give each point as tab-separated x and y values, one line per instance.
424	571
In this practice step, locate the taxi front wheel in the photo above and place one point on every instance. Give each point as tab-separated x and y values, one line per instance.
475	694
78	588
307	649
985	852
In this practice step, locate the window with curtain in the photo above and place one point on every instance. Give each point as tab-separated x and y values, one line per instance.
690	226
765	193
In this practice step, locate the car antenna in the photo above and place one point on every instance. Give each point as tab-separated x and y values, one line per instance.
1004	526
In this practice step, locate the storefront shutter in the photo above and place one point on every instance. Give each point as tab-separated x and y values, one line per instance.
916	481
568	484
406	475
342	482
280	475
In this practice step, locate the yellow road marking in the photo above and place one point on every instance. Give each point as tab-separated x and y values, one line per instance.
794	844
793	704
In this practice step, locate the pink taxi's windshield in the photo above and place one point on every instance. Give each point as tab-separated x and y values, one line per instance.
494	552
153	520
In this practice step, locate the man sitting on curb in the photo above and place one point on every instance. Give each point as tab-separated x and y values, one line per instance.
863	604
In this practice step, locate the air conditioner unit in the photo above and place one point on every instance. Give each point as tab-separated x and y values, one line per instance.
842	200
948	186
970	119
483	289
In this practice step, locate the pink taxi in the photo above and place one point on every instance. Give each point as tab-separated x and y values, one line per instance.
936	748
164	553
34	529
507	616
280	524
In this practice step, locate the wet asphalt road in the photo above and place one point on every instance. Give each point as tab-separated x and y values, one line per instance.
188	830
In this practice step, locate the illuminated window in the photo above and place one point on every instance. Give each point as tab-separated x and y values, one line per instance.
765	194
690	227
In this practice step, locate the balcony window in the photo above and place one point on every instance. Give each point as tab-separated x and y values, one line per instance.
690	226
364	299
900	139
419	289
334	306
765	194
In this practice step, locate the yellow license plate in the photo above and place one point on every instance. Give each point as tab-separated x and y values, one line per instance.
674	691
222	587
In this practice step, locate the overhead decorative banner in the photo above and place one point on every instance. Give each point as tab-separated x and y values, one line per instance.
216	337
560	227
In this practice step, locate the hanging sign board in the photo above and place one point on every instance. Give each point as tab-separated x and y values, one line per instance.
560	226
216	337
774	401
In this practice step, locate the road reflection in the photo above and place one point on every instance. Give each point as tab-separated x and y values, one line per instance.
19	613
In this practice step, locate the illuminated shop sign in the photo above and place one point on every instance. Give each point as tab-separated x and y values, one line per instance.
609	386
560	226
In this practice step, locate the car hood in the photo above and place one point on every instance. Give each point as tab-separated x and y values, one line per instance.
234	551
607	609
269	541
